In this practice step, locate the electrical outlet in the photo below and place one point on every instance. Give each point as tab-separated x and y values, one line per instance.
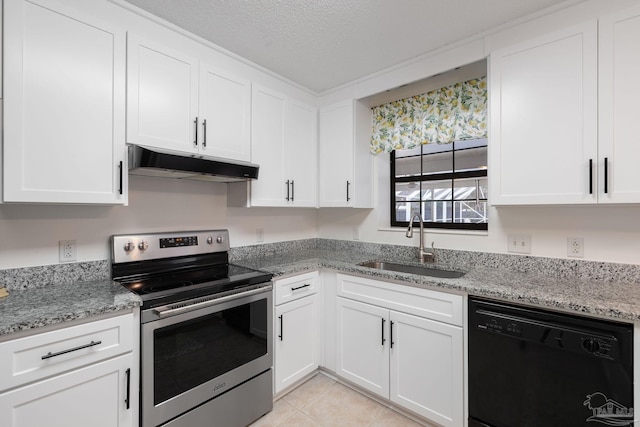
575	247
67	250
260	235
519	243
356	233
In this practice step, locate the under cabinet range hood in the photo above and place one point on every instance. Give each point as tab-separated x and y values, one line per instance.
154	162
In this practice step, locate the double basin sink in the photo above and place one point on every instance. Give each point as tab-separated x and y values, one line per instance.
412	269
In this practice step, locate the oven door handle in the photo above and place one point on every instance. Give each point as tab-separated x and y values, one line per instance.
167	310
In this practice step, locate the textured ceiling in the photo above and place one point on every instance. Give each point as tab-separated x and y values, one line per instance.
321	44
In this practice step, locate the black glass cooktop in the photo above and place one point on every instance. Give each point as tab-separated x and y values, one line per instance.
169	287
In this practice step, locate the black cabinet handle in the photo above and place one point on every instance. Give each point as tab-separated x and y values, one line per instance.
293	191
288	197
382	329
348	184
391	332
606	175
281	332
91	344
306	285
590	176
127	399
120	166
195	138
204	133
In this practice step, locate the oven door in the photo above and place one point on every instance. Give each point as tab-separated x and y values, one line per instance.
195	352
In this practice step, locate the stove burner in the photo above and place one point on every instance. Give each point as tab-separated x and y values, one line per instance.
165	287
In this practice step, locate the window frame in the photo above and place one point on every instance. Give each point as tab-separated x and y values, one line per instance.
444	176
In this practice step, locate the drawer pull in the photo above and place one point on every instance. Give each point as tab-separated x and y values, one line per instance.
91	344
306	285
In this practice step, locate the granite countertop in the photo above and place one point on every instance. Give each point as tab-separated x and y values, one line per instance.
33	308
615	298
617	301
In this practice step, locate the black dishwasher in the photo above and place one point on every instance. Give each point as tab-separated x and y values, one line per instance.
535	368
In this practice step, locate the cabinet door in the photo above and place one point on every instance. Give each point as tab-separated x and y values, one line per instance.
544	119
300	153
362	345
64	88
267	147
297	348
426	368
335	147
162	98
93	396
618	102
225	113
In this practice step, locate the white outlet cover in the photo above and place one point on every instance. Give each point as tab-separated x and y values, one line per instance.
575	247
67	251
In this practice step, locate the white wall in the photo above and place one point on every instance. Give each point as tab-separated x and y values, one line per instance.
29	234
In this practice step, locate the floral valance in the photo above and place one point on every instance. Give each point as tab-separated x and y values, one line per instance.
452	113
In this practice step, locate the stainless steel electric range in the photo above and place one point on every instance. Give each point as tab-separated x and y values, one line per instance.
206	329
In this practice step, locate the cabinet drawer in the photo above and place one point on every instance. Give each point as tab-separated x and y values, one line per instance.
38	356
425	303
295	287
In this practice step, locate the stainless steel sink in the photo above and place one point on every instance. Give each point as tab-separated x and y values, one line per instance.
412	269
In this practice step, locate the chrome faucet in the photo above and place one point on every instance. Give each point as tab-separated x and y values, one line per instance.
424	256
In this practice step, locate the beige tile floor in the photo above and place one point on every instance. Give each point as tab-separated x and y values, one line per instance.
323	402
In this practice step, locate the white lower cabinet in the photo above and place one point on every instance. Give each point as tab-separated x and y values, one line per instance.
297	329
426	368
409	359
93	396
363	354
76	376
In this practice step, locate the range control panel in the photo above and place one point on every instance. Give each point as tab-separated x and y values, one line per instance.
128	248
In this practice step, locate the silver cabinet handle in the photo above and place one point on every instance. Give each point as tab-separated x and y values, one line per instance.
50	355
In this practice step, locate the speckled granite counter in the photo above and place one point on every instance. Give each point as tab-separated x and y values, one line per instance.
619	300
49	295
33	308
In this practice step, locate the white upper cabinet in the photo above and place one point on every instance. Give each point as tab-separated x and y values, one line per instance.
300	153
543	119
267	130
225	110
162	99
563	119
177	102
619	92
64	106
346	177
284	145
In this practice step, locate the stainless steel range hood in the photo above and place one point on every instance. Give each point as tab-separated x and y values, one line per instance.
153	162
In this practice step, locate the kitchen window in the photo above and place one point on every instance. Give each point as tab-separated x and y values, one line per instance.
446	184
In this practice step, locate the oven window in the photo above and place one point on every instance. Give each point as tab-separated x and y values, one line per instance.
193	352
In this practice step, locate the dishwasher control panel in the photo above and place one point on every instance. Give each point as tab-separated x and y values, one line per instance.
547	332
